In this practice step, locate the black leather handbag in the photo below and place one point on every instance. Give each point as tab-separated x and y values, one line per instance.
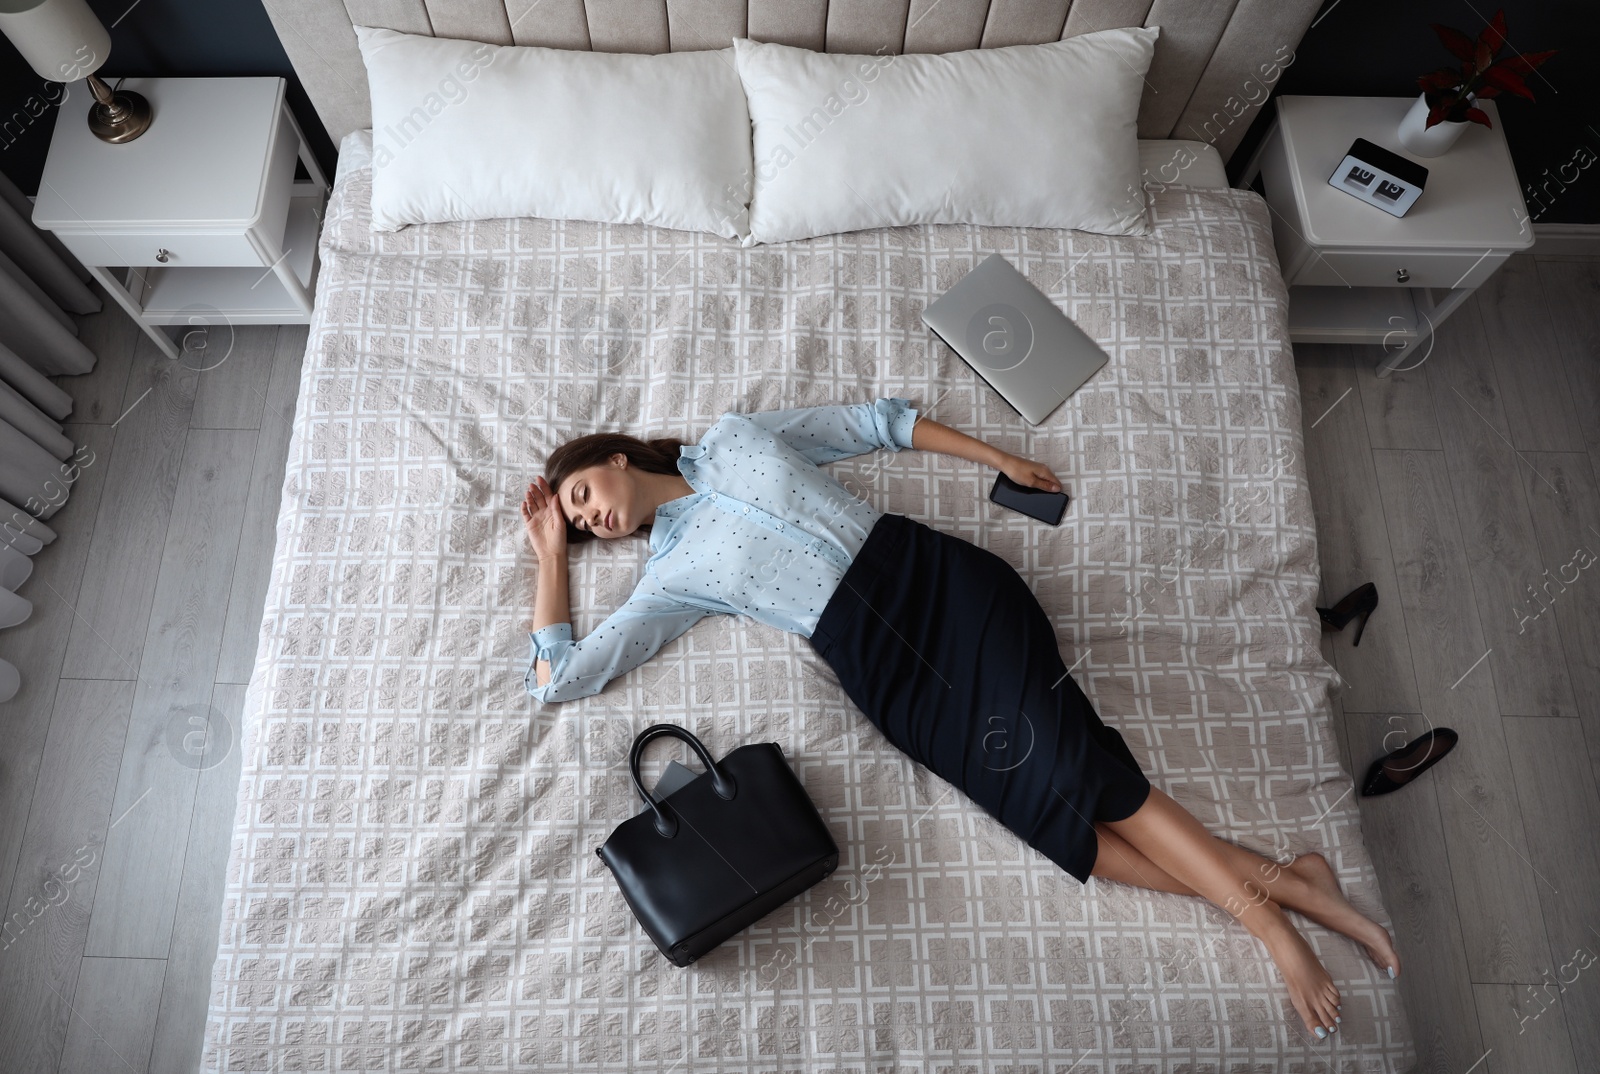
717	855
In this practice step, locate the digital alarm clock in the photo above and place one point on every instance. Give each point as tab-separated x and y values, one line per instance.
1379	177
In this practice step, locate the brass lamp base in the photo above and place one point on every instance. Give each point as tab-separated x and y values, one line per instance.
117	117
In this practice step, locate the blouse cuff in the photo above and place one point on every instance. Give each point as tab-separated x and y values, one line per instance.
894	418
549	643
547	638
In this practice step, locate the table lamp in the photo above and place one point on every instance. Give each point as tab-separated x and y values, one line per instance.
63	41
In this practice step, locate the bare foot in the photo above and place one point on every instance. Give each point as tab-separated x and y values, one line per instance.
1333	910
1311	989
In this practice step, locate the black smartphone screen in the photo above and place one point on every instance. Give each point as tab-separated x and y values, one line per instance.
1035	503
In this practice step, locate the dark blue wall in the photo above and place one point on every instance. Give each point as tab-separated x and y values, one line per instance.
1356	47
195	38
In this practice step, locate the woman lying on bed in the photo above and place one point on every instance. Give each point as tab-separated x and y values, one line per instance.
931	636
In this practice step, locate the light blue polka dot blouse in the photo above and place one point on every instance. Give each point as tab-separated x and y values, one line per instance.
765	534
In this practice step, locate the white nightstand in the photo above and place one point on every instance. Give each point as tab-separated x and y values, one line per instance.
1359	275
203	210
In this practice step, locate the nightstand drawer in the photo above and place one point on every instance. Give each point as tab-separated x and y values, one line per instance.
171	249
1397	268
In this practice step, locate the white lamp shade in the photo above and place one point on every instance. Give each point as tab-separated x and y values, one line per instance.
61	39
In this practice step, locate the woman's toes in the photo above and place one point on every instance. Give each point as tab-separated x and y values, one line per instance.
1306	1016
1326	1013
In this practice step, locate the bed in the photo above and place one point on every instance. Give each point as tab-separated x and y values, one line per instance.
412	881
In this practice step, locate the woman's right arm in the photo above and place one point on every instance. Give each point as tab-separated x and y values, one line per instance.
551	605
632	634
547	533
566	668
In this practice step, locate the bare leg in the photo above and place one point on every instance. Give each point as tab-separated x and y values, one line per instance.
1306	885
1172	839
1117	860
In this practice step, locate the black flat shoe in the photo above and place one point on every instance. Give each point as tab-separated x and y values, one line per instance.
1359	601
1394	770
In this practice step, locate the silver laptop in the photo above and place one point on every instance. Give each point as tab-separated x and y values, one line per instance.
1015	338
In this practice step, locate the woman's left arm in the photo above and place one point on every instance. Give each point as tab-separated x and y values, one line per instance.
929	435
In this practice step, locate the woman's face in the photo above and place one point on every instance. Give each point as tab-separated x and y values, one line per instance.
602	499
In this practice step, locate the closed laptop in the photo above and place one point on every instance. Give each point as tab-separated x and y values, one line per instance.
1015	338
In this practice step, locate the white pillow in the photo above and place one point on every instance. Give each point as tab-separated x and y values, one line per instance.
1027	135
465	131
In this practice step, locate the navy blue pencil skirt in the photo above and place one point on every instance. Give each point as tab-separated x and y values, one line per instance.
945	649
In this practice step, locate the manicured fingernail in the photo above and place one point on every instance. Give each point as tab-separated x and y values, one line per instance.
1322	1034
1336	1018
1391	972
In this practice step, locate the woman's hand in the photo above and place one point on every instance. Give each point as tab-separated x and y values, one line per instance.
1029	474
543	521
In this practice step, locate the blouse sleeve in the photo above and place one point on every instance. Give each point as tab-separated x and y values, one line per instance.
829	433
632	634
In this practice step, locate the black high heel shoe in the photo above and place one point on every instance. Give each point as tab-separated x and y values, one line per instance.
1359	601
1395	769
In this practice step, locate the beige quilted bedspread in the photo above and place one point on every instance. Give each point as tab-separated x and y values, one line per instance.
413	884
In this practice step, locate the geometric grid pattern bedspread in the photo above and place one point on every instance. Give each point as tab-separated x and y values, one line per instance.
412	882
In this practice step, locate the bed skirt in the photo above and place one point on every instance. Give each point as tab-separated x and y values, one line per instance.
946	650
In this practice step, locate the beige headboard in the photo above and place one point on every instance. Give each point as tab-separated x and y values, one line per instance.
1214	64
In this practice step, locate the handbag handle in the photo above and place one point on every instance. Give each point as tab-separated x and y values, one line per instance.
721	781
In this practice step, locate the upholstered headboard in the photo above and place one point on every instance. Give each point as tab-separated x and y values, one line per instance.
1214	65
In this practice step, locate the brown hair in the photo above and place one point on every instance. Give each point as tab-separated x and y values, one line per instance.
658	456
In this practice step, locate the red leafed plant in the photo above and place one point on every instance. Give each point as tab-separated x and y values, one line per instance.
1450	91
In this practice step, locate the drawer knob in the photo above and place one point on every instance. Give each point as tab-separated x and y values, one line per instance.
1402	275
163	255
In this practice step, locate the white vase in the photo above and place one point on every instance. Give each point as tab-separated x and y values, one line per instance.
1421	140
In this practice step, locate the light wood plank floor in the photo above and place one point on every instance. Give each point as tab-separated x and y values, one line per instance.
1463	487
118	773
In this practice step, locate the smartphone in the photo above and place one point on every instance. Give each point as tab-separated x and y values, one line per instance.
1035	503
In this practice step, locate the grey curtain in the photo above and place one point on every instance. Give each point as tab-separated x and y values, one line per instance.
40	285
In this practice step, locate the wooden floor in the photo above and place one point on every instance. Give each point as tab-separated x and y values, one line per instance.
117	770
1464	488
